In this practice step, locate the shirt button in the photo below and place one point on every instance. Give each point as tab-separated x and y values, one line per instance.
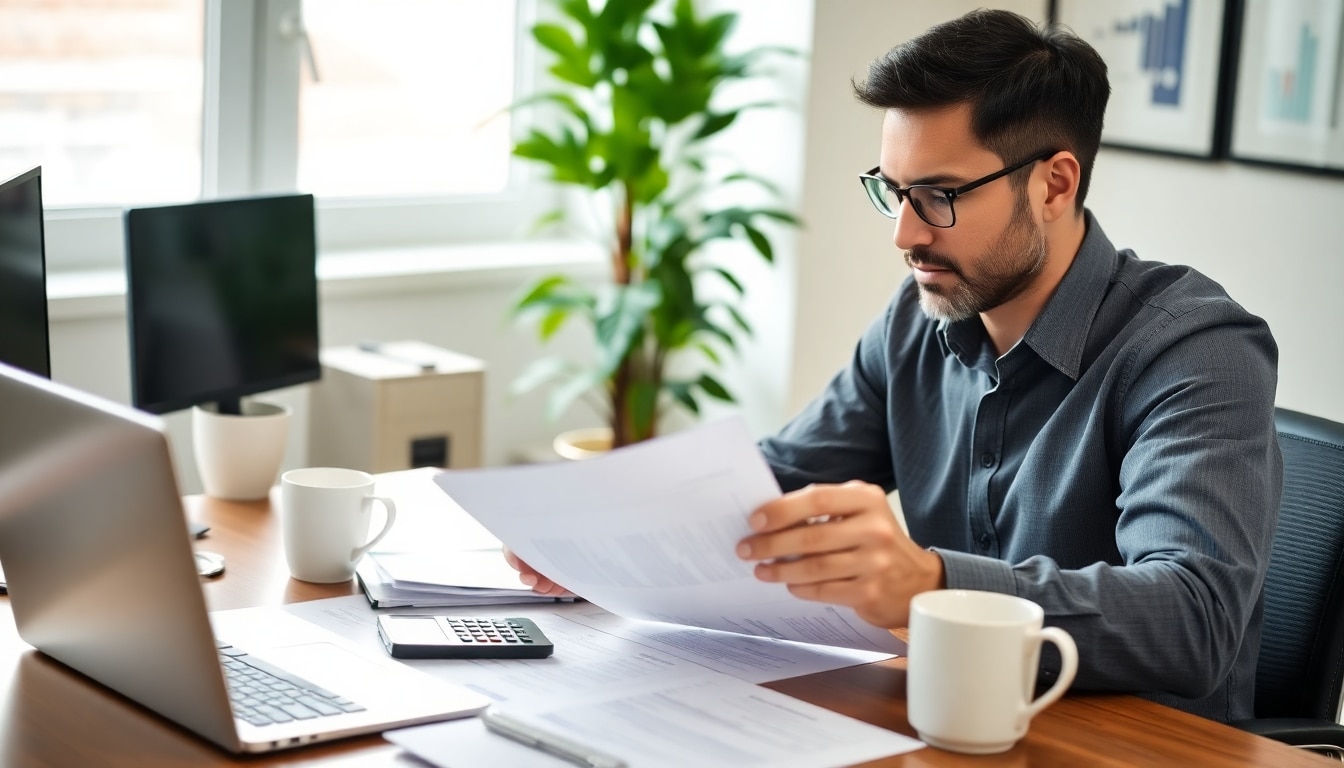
987	459
984	541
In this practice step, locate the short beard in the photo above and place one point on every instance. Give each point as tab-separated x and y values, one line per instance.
1011	265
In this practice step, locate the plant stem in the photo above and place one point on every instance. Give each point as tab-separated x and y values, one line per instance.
621	423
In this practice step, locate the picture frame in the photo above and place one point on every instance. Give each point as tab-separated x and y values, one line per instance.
1289	102
1169	63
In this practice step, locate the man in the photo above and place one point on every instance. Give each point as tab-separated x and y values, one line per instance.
1064	422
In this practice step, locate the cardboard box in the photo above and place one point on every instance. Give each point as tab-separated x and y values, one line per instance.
396	405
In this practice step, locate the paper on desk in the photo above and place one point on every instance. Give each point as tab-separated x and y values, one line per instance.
649	532
706	720
594	650
476	570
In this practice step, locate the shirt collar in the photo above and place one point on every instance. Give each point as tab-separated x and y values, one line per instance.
1059	333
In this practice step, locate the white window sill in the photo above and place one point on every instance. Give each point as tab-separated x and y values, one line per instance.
102	293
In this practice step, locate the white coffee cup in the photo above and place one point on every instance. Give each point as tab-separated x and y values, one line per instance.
973	661
325	514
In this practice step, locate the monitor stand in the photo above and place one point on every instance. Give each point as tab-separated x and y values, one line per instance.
239	455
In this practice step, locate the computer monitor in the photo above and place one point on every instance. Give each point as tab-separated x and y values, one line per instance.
24	336
222	300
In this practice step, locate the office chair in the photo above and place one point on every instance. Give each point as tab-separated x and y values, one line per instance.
1300	672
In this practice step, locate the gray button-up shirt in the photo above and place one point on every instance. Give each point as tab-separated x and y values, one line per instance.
1118	466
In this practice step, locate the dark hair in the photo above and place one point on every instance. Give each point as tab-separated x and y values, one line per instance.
1030	89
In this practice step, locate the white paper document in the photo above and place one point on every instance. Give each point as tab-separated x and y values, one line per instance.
707	720
650	531
594	650
426	521
664	687
470	570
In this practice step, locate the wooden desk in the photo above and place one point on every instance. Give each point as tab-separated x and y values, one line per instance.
50	716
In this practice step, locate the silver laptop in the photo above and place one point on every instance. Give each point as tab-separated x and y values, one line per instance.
102	578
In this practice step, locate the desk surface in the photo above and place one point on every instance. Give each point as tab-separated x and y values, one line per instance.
50	716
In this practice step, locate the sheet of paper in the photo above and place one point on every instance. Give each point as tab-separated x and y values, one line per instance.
383	593
650	531
593	650
466	743
708	719
474	568
426	519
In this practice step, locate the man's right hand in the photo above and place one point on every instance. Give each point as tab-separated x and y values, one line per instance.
529	576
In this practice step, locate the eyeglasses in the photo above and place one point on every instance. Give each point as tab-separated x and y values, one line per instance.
933	204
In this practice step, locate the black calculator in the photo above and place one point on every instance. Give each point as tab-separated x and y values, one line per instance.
408	636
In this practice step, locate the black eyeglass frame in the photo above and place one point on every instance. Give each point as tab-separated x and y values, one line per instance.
872	184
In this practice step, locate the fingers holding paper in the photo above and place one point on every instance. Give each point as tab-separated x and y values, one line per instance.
841	544
532	578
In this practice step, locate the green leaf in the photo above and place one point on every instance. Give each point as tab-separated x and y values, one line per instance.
552	322
761	242
546	221
556	39
721	333
777	215
570	390
714	123
541	371
540	289
620	322
573	63
738	318
733	281
681	392
714	389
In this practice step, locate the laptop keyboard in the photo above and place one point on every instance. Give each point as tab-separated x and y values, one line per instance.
264	694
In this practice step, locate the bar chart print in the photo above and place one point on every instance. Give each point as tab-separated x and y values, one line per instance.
1290	83
1164	60
1161	48
1289	90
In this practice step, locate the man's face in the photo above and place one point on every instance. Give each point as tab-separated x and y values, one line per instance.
995	250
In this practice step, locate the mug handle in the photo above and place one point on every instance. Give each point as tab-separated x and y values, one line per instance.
1068	653
391	509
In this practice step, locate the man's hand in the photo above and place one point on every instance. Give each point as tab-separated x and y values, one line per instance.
529	576
841	544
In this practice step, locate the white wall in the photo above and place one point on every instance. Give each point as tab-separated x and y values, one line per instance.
1270	237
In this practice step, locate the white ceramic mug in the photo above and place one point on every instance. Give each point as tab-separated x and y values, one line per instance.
973	661
325	514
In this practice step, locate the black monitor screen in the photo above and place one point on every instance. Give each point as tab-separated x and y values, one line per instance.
23	275
222	300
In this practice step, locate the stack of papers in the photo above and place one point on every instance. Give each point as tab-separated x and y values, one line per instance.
442	580
436	556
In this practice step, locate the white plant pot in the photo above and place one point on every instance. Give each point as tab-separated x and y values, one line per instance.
579	444
239	457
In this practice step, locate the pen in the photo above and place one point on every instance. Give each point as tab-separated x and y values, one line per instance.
550	743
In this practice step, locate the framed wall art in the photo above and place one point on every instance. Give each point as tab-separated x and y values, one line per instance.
1169	63
1289	84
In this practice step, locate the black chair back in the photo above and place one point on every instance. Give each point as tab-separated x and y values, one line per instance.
1300	672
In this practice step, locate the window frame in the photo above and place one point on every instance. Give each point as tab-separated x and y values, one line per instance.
249	145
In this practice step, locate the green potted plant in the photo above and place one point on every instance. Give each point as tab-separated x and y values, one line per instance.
640	97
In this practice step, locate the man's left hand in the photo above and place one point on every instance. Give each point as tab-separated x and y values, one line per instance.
841	544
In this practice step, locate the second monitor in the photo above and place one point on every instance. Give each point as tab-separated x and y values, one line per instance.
222	300
24	335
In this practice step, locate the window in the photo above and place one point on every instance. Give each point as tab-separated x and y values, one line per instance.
402	135
105	96
403	108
